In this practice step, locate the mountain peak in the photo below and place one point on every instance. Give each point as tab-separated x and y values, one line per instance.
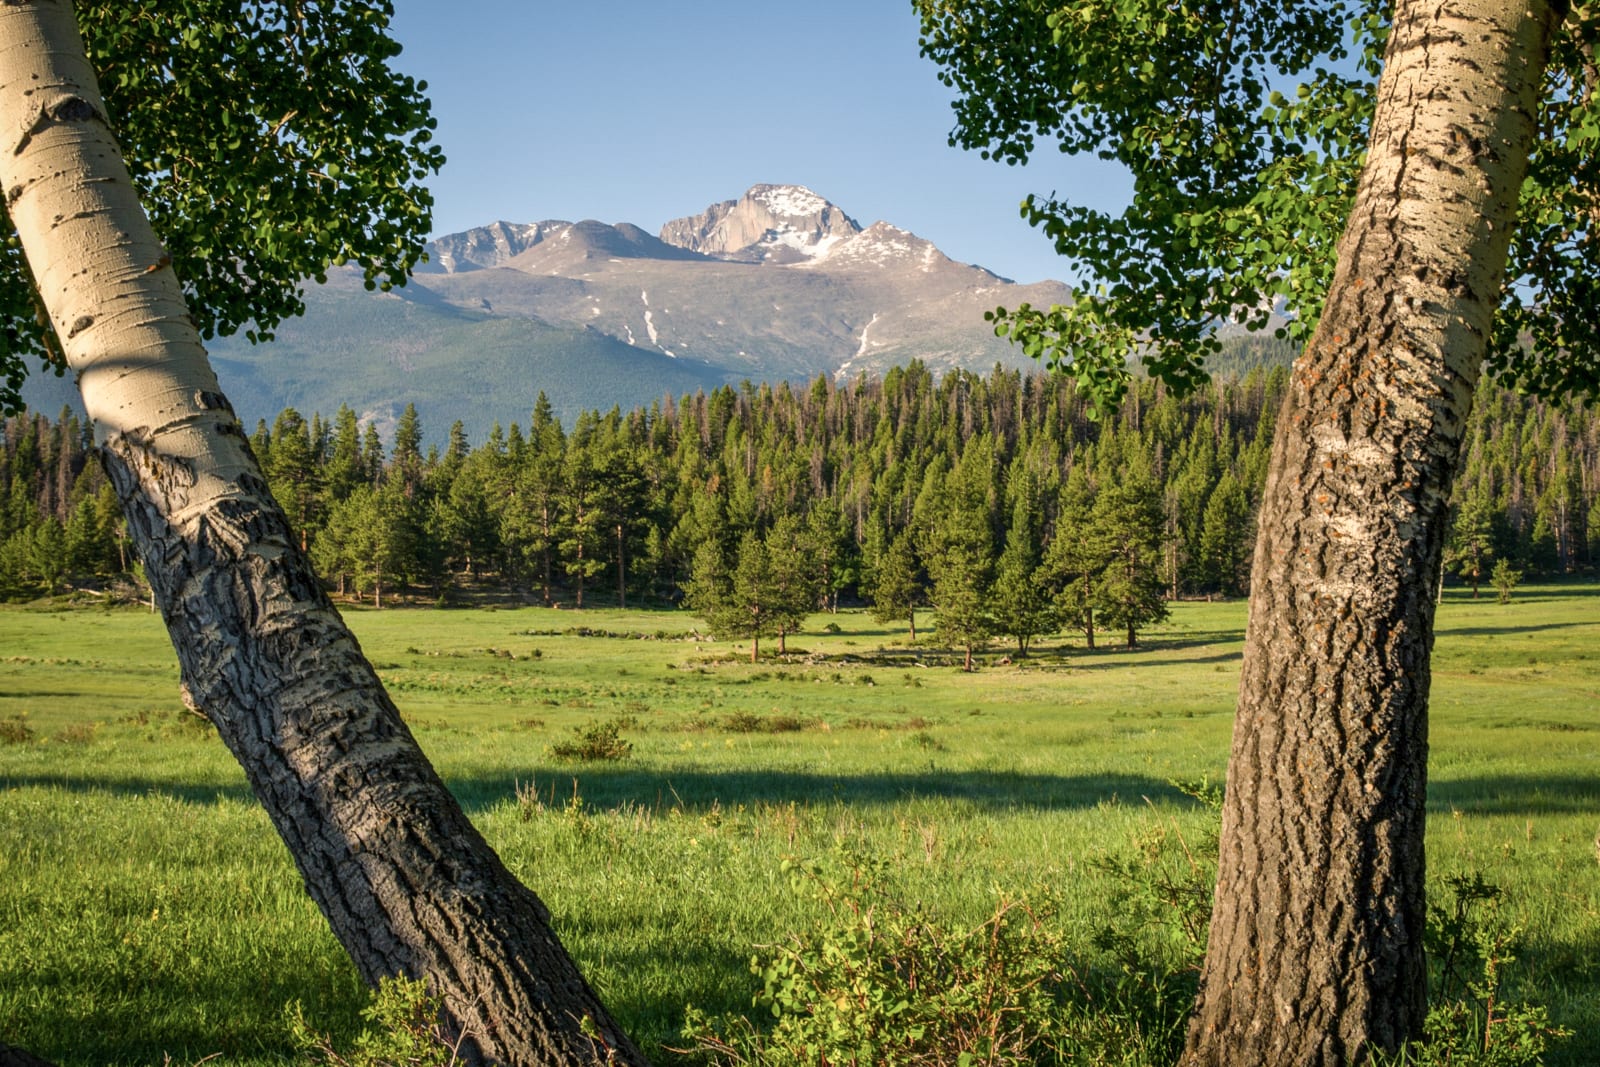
769	223
791	201
540	245
484	246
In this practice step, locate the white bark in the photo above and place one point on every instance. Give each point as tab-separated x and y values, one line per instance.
406	882
105	280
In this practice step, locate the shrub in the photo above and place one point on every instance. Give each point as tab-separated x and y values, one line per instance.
78	733
741	722
1470	1023
886	983
404	1031
15	730
744	722
596	742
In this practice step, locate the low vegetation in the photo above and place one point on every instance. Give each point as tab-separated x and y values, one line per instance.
839	814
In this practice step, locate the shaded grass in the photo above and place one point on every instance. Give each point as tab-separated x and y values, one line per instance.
146	908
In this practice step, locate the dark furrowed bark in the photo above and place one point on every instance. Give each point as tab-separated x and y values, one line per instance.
408	885
1316	950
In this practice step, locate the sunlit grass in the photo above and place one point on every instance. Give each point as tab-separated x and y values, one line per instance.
146	908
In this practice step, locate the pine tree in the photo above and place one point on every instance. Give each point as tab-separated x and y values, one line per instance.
961	577
1130	592
740	605
372	455
1225	530
1076	556
344	470
793	578
830	549
295	473
530	515
582	519
1505	579
406	460
898	588
1471	543
1022	608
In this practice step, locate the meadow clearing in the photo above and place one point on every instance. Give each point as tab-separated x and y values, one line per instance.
148	910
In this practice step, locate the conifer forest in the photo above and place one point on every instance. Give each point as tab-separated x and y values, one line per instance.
996	501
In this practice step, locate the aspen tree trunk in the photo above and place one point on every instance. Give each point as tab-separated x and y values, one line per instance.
407	883
1316	953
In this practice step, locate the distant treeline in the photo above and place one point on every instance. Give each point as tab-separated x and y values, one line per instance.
870	484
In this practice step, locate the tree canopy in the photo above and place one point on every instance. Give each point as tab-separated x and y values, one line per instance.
269	140
1244	127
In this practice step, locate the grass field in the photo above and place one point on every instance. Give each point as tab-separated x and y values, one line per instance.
147	909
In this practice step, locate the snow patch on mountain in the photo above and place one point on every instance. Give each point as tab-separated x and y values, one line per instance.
862	350
843	373
777	224
795	200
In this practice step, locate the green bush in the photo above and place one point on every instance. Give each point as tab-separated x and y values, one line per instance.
597	742
886	983
404	1031
1471	1024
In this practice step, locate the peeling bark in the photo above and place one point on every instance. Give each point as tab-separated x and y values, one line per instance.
1316	952
406	882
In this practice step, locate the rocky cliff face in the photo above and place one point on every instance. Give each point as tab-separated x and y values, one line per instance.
770	223
542	244
484	246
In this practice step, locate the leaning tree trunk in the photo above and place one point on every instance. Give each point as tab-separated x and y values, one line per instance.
1316	953
407	883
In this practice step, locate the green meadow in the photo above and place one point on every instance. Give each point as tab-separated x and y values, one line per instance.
147	909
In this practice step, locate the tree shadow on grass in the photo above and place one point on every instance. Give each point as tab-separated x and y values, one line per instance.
100	1011
605	787
1461	593
612	787
1087	663
1198	639
1497	631
1524	795
131	787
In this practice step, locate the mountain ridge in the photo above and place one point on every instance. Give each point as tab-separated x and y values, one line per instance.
777	284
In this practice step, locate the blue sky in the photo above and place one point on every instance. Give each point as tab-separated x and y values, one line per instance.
642	112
